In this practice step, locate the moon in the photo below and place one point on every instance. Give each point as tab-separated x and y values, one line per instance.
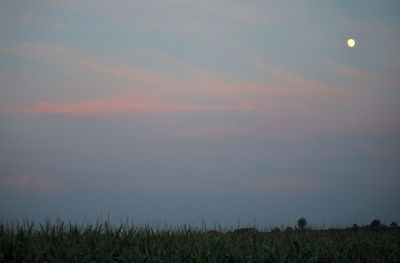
351	42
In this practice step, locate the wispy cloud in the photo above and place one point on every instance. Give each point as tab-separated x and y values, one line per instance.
24	182
172	93
119	105
15	182
195	79
61	56
352	71
294	83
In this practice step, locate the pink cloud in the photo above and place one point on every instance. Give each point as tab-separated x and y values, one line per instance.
293	84
16	182
203	81
195	81
120	105
355	72
352	71
298	121
176	94
64	57
241	104
24	182
46	183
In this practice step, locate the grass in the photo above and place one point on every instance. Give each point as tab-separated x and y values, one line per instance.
61	242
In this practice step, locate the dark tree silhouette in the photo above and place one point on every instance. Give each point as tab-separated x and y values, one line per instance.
302	223
375	224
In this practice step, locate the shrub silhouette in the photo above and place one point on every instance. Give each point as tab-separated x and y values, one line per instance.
375	224
245	230
302	223
212	232
276	230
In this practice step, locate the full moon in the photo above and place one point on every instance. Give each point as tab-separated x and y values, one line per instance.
351	42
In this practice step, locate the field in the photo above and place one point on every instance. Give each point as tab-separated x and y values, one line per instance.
62	242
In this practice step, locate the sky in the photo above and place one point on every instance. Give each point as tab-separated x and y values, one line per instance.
183	111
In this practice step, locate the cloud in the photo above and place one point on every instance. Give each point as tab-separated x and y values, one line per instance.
25	182
57	55
195	80
352	71
286	102
199	80
16	182
46	183
240	11
118	105
296	84
173	92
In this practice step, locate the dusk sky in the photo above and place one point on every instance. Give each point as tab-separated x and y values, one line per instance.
181	111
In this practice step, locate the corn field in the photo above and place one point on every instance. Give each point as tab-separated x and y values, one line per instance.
61	242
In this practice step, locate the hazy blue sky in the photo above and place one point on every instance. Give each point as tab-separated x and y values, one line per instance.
183	110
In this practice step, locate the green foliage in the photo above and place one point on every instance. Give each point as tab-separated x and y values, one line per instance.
60	242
